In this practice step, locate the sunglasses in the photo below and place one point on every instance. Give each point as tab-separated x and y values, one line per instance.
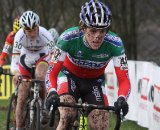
29	29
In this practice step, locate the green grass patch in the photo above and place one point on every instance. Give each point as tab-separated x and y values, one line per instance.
3	103
3	114
125	125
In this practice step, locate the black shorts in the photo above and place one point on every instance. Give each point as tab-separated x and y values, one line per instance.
91	90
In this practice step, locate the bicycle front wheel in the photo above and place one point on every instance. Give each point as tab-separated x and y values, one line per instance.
35	123
11	120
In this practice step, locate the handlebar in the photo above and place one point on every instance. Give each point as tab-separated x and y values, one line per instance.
25	80
86	106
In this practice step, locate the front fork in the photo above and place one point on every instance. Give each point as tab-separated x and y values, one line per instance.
35	99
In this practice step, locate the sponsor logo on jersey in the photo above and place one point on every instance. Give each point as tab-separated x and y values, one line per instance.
100	56
57	54
97	93
70	35
47	81
73	85
87	63
100	80
50	68
123	63
79	54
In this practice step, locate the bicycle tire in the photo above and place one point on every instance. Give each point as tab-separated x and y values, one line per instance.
10	122
35	125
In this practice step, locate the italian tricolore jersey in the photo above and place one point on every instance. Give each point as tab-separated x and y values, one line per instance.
84	62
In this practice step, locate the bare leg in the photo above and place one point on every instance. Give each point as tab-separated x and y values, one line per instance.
40	73
67	115
21	101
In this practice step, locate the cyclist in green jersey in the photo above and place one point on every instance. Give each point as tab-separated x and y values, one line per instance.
77	67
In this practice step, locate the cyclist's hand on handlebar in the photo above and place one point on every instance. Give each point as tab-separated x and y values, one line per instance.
52	99
1	70
121	104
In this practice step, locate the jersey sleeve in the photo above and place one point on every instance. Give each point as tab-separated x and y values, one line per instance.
121	68
10	38
49	40
59	55
15	54
55	66
17	45
7	48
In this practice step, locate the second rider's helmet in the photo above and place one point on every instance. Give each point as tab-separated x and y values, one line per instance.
29	20
16	25
54	34
96	14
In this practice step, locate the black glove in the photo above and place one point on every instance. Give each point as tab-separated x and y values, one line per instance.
121	104
1	70
52	99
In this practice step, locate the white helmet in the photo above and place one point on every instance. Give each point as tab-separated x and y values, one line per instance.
96	14
29	20
54	34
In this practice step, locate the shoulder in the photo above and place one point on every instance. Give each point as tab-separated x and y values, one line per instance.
71	33
19	35
10	37
113	39
11	34
44	34
43	30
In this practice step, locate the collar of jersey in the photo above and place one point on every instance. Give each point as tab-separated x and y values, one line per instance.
86	43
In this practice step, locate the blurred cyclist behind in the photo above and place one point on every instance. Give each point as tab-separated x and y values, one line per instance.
77	67
32	46
9	42
54	34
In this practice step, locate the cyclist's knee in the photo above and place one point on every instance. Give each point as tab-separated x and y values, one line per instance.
41	70
98	119
67	114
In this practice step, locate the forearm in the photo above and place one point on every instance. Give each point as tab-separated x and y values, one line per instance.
124	83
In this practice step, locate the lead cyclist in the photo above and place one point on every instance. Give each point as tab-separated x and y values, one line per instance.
33	44
77	67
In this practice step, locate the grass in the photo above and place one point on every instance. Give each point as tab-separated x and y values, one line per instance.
3	104
126	125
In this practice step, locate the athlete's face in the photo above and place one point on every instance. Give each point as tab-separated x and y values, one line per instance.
32	34
94	37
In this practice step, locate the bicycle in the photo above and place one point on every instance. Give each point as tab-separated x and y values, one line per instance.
33	109
82	107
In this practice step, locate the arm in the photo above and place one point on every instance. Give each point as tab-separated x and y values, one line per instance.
15	55
6	48
54	69
51	78
121	68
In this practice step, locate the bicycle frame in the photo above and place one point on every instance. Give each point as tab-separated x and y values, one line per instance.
33	98
36	97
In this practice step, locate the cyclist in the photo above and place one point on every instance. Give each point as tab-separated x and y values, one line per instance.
54	34
77	67
9	42
32	45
